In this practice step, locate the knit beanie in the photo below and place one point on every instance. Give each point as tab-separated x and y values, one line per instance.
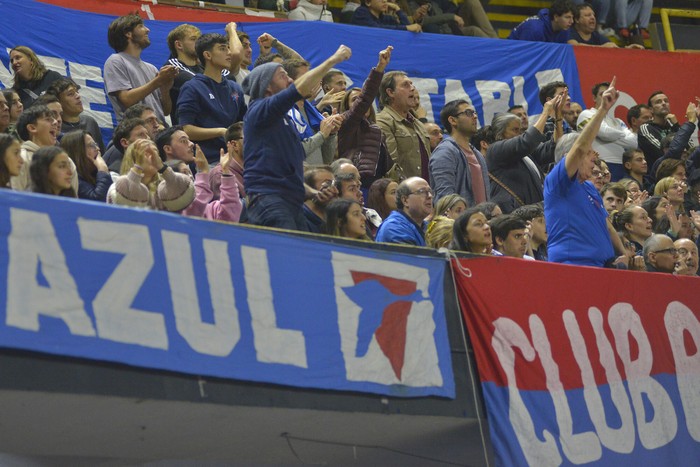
256	83
177	192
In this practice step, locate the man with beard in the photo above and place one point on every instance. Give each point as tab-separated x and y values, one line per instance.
662	123
128	79
321	179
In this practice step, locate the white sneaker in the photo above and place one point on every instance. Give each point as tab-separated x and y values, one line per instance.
608	32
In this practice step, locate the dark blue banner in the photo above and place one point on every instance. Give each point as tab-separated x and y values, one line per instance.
492	74
162	291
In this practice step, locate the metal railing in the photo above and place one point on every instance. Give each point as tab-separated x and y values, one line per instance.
666	13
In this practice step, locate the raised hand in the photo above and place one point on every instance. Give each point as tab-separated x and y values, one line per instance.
200	160
610	96
384	58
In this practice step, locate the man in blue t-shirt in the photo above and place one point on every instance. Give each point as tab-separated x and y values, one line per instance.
550	25
577	223
272	151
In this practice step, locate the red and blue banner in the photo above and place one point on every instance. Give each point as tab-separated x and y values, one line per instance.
584	365
162	291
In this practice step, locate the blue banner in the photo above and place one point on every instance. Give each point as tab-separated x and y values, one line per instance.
162	291
492	74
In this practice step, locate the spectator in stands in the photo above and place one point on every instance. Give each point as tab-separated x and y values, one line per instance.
656	208
128	79
38	128
382	196
472	233
442	17
572	113
146	182
510	236
181	43
4	114
490	209
56	109
630	12
333	85
435	134
516	179
414	202
15	107
521	112
677	147
673	168
439	232
663	122
10	159
614	196
533	215
93	174
344	218
51	172
660	254
636	225
635	195
450	206
638	115
635	166
323	180
671	189
585	32
318	134
148	115
348	11
311	10
474	16
577	223
483	138
234	146
128	131
266	42
411	150
374	13
556	126
273	153
209	103
457	167
226	204
550	25
688	253
606	175
597	175
32	78
613	137
74	117
360	139
174	144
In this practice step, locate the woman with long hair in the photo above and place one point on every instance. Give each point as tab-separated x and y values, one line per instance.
450	206
15	104
382	196
147	183
32	78
10	159
344	218
472	233
51	172
94	179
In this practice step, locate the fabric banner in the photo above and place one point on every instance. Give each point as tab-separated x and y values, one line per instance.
162	291
584	365
491	74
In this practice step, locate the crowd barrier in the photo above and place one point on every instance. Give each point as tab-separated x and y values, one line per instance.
577	364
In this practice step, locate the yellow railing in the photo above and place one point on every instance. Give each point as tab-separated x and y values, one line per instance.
666	24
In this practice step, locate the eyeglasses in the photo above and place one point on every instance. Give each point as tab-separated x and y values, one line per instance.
673	251
423	192
468	113
93	145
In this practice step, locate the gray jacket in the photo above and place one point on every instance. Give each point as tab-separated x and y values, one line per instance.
449	171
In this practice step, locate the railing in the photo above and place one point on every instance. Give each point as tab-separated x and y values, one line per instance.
666	13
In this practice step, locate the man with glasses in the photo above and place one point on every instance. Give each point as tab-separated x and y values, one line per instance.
660	254
613	137
414	202
68	94
688	254
456	166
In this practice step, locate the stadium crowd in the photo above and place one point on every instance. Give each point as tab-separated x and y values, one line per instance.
280	143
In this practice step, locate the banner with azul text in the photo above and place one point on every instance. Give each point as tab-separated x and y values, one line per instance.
492	74
162	291
583	365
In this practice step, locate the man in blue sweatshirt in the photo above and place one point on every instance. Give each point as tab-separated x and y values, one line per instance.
272	152
550	25
210	103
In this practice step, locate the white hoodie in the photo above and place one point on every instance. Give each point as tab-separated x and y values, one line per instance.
307	11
